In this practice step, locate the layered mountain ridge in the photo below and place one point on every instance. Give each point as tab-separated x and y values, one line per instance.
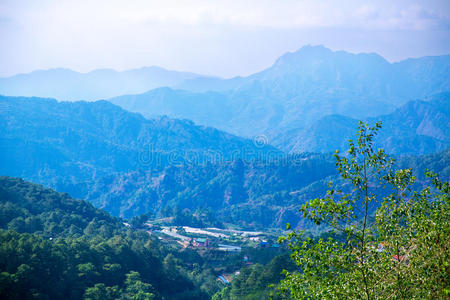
65	143
65	84
130	165
298	90
147	155
418	127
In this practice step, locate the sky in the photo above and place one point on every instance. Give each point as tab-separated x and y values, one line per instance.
217	37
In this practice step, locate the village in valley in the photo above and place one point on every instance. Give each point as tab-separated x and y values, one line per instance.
226	240
219	246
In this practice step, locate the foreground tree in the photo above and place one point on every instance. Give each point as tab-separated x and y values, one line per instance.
386	241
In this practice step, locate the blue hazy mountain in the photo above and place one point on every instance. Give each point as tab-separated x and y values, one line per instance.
417	127
130	165
65	84
298	90
64	143
207	84
249	195
253	194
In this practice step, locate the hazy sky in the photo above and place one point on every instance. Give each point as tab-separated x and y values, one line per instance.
224	38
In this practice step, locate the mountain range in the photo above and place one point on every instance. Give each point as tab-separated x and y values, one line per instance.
150	152
298	90
418	127
129	165
289	104
253	195
65	84
65	143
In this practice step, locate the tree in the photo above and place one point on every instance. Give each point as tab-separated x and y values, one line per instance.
136	289
416	229
377	246
139	221
100	292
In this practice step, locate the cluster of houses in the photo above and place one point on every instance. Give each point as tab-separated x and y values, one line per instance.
206	243
201	242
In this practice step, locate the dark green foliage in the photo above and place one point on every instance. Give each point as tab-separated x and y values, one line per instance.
27	207
138	221
99	291
79	266
136	289
257	281
200	218
55	239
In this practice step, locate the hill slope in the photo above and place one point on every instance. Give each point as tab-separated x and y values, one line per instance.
417	127
65	143
254	195
250	195
88	251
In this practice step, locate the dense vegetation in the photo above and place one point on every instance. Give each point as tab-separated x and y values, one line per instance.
57	247
46	237
249	194
258	282
401	252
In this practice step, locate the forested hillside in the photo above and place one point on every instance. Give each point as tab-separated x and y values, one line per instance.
130	166
63	144
258	282
248	194
48	237
251	195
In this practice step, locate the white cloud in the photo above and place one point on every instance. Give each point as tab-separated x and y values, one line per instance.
260	13
190	35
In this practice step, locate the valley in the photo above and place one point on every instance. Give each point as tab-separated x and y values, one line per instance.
325	167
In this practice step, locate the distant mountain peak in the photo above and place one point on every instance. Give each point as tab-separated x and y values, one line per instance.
310	53
310	47
307	50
